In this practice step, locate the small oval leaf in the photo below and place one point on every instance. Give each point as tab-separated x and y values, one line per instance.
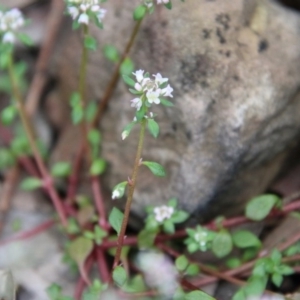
115	219
119	276
155	168
222	244
245	239
153	127
259	207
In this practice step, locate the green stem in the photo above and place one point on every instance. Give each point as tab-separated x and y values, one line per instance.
32	141
83	67
115	77
131	188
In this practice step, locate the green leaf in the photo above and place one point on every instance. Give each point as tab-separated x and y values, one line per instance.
119	276
20	146
166	102
256	286
192	270
285	270
129	81
192	247
89	235
99	234
98	167
259	207
54	291
126	67
244	239
61	169
276	256
31	183
72	227
139	12
119	190
181	263
155	168
77	114
111	53
172	202
168	5
115	219
233	262
135	92
153	127
146	238
222	244
277	279
179	216
168	227
25	39
79	249
127	129
75	99
7	159
198	295
90	111
141	113
90	43
8	115
239	295
94	137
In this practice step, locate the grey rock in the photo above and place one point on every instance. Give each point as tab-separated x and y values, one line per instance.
235	69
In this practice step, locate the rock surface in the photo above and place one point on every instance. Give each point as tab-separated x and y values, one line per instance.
235	69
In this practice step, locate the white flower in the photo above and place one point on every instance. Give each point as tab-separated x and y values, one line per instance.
10	21
8	37
137	103
163	1
167	91
101	14
159	79
138	87
153	96
73	11
83	18
139	75
163	213
81	9
116	194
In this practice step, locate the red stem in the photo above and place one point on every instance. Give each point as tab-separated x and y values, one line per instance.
99	202
74	178
32	232
102	265
81	284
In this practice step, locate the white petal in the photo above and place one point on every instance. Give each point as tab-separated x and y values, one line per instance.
84	18
8	37
139	74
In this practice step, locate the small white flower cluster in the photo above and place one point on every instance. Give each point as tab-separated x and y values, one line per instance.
150	88
201	238
81	10
163	212
10	22
149	3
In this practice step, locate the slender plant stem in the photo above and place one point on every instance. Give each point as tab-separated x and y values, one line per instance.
115	77
131	188
82	84
48	183
99	202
